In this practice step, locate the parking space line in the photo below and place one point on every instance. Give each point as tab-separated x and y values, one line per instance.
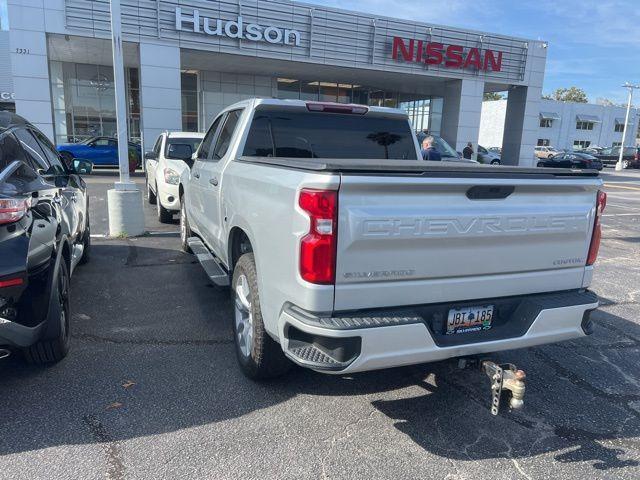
621	215
626	187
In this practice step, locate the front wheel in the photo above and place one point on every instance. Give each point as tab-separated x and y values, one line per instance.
151	197
625	164
495	162
258	354
164	215
185	229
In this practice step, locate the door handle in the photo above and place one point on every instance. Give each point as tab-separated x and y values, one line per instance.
214	182
196	175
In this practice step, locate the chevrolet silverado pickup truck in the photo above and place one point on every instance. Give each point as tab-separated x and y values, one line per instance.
346	252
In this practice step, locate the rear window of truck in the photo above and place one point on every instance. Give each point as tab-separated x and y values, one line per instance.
296	134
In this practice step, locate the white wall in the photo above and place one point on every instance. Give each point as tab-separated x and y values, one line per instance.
563	132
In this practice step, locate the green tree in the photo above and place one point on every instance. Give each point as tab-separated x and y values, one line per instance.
571	94
492	96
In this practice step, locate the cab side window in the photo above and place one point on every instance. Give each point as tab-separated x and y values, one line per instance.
226	134
207	143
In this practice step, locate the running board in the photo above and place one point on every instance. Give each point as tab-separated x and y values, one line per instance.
76	256
212	267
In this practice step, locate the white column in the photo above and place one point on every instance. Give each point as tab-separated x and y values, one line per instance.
521	126
160	90
461	113
30	68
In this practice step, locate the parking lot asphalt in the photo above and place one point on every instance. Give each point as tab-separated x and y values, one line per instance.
151	388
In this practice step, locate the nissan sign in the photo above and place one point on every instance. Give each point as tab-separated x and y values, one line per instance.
450	56
237	28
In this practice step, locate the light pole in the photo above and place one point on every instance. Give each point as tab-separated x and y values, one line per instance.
124	201
629	87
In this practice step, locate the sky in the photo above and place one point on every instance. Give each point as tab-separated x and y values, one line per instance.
594	45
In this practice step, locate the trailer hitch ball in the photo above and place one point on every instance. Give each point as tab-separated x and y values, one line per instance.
505	377
516	386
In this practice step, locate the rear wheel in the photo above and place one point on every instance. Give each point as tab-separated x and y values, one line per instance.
258	354
52	351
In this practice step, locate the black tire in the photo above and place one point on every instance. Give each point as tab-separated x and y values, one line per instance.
151	197
164	215
54	350
495	162
626	164
185	229
264	358
540	164
86	243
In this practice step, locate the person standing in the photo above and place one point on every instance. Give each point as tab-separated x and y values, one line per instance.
468	151
429	152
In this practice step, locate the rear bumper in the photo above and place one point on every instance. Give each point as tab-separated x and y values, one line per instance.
15	335
374	340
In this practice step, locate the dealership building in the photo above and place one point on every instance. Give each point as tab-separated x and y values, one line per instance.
185	60
565	125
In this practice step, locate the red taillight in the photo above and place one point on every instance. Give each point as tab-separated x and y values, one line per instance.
12	210
318	247
337	108
601	203
11	282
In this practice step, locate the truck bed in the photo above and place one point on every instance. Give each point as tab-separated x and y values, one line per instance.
419	168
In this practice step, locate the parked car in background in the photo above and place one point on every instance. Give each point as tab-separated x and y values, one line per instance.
572	160
346	252
102	151
44	234
488	156
497	150
164	164
546	152
630	157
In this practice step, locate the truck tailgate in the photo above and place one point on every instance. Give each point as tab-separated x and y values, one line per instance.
414	239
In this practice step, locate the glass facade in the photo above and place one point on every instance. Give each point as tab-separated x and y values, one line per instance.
425	112
84	101
190	93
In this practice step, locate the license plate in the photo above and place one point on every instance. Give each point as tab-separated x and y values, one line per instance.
469	319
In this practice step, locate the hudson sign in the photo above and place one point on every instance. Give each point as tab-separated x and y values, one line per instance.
450	56
238	28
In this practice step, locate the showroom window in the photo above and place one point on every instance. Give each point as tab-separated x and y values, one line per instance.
579	144
83	98
189	93
543	142
425	113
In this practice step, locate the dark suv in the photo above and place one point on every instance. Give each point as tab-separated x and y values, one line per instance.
44	234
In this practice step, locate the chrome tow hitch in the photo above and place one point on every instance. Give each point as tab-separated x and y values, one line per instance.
507	382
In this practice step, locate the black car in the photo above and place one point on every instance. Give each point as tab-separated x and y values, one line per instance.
610	156
572	160
44	234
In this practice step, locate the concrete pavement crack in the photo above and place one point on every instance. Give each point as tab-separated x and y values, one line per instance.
115	465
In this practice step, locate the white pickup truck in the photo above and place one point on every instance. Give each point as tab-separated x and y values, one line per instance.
347	252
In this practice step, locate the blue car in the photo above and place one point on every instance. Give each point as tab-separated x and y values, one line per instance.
102	151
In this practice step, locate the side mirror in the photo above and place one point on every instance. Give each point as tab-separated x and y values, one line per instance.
191	160
150	155
82	167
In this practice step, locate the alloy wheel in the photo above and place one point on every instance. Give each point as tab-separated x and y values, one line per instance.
244	317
